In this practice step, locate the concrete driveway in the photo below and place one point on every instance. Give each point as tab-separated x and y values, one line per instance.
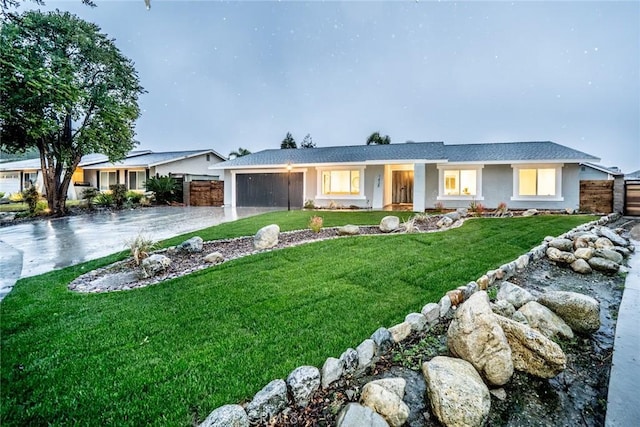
38	247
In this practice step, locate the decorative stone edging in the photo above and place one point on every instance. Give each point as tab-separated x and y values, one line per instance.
304	381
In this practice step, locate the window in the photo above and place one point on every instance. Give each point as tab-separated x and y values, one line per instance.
107	179
460	182
137	179
537	182
29	179
340	182
457	183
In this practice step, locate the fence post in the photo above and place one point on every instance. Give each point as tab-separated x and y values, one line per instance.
618	194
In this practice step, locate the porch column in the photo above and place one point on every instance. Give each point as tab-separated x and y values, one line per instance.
419	187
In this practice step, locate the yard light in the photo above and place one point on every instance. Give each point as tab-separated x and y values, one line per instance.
289	186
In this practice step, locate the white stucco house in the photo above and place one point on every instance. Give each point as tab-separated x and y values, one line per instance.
542	175
96	171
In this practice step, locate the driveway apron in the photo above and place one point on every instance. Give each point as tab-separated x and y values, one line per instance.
37	247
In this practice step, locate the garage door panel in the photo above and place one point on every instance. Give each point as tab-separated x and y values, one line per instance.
268	189
10	182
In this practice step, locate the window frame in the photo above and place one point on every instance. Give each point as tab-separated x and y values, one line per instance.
27	183
136	172
459	168
102	186
359	196
558	197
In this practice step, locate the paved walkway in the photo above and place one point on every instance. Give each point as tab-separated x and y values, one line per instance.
37	247
623	406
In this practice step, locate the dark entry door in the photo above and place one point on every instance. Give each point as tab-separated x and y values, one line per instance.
402	182
269	189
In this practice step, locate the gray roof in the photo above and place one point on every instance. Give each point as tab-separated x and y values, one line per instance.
88	159
610	170
434	152
633	175
150	159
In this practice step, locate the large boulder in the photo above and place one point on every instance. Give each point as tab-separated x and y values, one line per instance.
444	222
581	312
603	264
581	266
584	253
613	236
457	395
154	264
556	255
531	351
356	415
564	245
267	237
603	243
610	254
475	336
503	308
546	321
302	383
227	416
514	294
268	402
348	230
385	397
389	223
193	245
332	370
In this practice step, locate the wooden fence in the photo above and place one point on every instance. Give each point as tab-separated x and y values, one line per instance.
596	196
206	193
632	197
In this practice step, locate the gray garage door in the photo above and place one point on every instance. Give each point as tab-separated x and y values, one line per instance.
269	190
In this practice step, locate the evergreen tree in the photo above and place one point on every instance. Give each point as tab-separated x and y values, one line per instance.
288	142
307	142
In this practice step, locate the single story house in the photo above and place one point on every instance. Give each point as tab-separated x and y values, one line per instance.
542	175
594	172
95	170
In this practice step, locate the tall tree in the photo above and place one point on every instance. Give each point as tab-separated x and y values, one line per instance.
288	142
307	142
239	153
376	139
65	89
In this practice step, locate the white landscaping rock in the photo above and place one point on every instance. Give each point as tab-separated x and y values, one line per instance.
431	312
400	331
303	383
417	321
331	371
366	353
385	402
214	258
154	265
348	230
546	321
356	415
268	402
192	245
514	294
227	416
457	395
267	237
389	223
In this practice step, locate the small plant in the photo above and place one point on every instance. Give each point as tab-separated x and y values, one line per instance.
333	205
31	197
410	226
315	223
134	197
119	192
501	210
476	208
89	194
480	208
16	197
308	204
104	199
140	246
438	207
492	293
1	194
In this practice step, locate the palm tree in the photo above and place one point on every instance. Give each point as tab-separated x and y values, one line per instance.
239	153
376	139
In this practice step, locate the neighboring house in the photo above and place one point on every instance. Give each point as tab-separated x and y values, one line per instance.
542	175
594	172
133	171
96	171
633	175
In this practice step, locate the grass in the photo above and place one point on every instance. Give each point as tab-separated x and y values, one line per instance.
171	353
21	206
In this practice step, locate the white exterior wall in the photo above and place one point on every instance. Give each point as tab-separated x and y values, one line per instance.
196	165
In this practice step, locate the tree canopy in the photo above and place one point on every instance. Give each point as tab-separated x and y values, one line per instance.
239	153
307	142
67	90
376	139
288	142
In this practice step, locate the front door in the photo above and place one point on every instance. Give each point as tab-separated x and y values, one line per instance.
402	187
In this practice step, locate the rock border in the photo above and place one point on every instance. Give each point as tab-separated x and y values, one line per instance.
356	361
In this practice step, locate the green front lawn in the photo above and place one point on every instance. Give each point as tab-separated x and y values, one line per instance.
171	353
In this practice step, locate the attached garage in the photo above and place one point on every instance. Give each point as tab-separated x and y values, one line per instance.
269	189
10	182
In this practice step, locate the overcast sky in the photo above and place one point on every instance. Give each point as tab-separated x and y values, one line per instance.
243	74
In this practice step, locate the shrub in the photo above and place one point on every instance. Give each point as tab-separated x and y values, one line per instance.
119	192
31	197
309	204
140	246
104	199
134	197
410	225
89	194
16	197
163	187
315	223
1	194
